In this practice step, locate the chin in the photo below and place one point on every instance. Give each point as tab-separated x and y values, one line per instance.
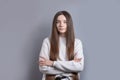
62	31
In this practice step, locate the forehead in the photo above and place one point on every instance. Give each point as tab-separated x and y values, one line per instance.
61	17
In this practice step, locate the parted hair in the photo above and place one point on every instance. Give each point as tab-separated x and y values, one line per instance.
54	38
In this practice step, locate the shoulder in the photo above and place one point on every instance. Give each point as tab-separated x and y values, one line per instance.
78	46
78	41
46	40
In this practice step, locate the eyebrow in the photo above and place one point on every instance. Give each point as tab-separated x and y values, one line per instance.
60	20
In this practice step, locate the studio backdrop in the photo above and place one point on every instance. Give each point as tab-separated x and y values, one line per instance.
25	23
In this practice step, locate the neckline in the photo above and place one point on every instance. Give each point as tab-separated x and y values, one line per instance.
62	37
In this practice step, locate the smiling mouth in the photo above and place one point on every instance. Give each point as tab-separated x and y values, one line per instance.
61	28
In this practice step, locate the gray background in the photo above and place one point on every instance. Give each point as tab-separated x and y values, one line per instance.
25	23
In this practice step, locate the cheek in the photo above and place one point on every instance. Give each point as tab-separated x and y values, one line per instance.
57	25
66	27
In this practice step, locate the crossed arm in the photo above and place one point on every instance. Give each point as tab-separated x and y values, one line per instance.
47	62
57	67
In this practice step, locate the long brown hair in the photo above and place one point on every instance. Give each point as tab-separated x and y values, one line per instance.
70	38
54	39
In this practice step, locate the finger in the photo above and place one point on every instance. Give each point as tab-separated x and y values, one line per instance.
75	57
78	58
41	57
41	61
75	60
41	64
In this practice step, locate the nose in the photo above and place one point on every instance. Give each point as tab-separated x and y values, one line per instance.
61	24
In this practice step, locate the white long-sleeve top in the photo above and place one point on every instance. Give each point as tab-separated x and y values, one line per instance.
62	65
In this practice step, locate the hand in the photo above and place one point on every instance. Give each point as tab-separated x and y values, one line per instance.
77	59
45	62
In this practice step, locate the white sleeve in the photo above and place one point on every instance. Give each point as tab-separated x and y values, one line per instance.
72	66
50	70
45	53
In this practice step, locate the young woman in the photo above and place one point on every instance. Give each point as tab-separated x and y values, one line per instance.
61	56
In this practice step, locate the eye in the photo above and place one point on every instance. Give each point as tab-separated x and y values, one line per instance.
57	21
65	21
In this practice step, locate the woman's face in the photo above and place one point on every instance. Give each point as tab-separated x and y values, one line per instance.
61	24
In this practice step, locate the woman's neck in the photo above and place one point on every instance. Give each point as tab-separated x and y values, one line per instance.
62	35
